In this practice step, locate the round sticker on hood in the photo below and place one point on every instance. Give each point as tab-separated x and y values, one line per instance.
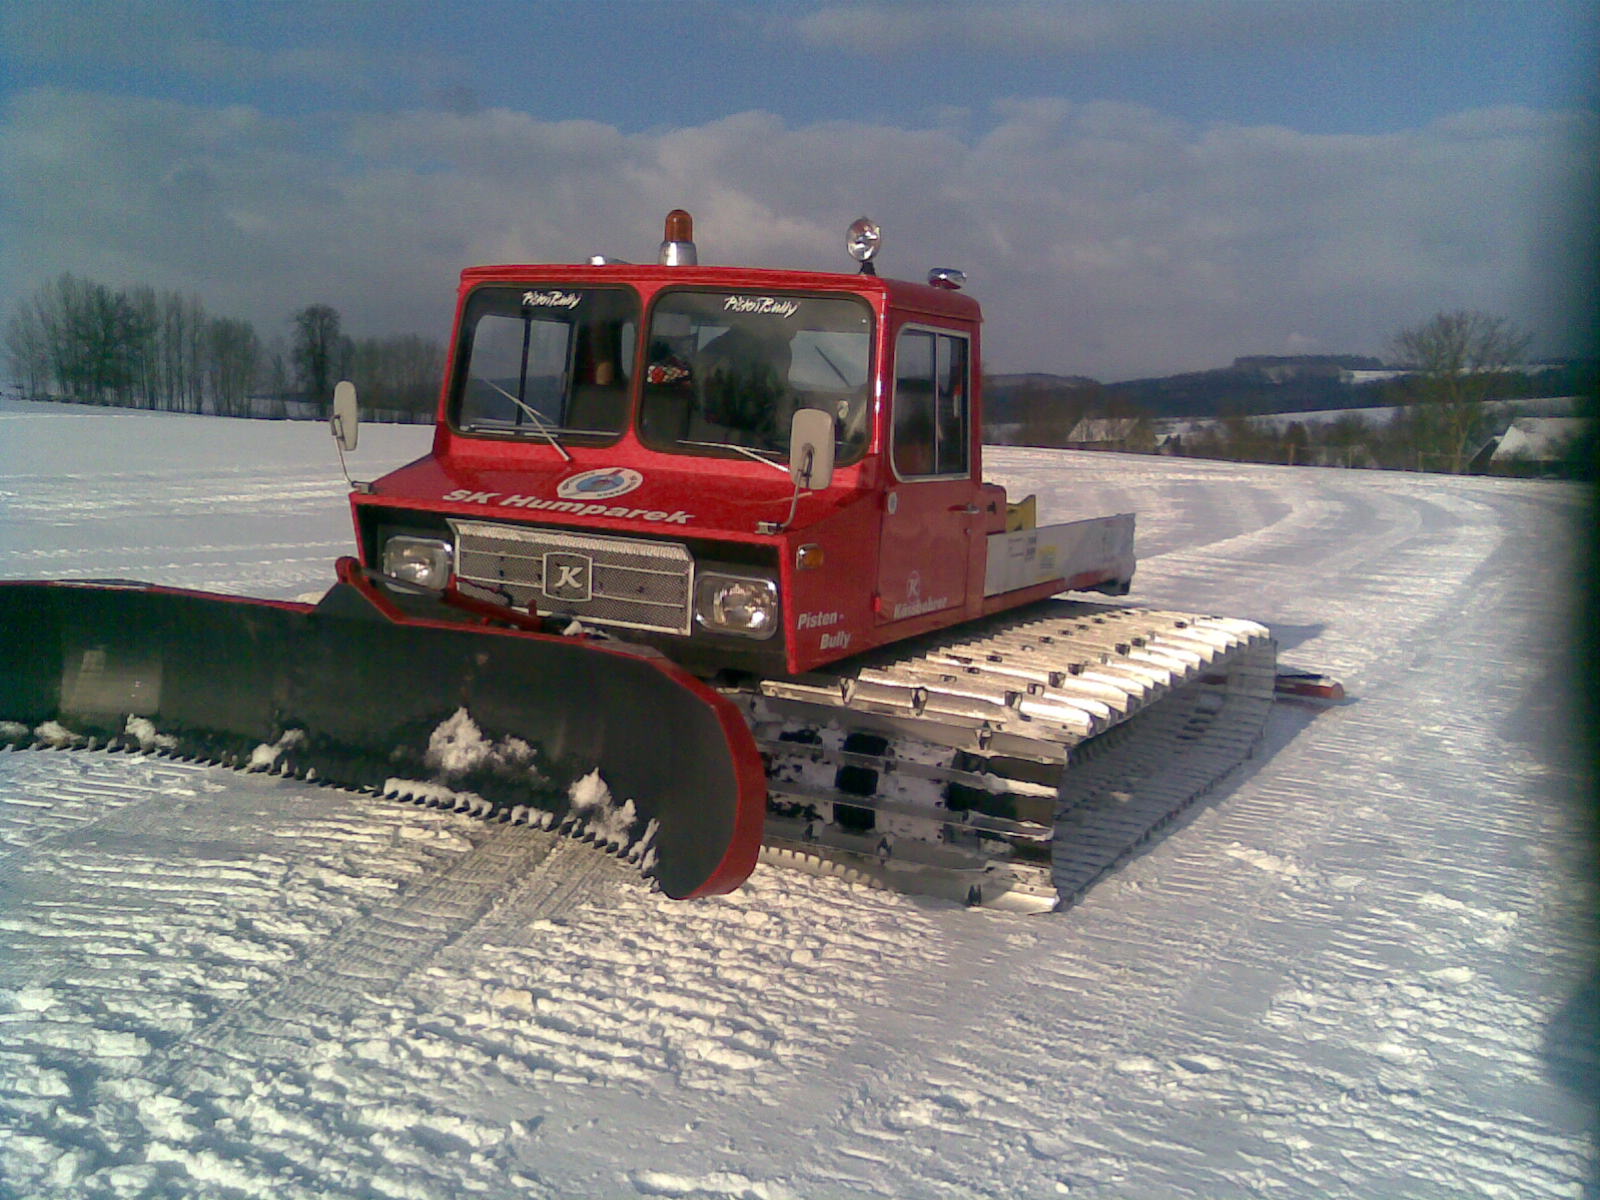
599	484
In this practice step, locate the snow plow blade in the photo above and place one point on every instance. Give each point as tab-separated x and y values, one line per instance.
354	692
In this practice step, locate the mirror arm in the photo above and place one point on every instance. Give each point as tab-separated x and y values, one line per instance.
807	432
794	506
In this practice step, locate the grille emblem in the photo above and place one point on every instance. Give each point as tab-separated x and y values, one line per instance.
629	583
568	576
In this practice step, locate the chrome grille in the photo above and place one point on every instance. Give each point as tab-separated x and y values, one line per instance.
630	583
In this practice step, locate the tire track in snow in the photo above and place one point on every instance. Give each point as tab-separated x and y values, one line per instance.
596	998
1187	503
1153	1115
134	964
374	953
585	1022
190	1108
1366	970
1423	560
52	794
146	556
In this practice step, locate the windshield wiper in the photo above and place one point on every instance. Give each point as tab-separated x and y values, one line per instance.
833	366
748	452
544	427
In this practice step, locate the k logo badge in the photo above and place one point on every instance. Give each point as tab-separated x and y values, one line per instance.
567	577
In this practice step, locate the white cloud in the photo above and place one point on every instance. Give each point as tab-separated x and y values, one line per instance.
1103	239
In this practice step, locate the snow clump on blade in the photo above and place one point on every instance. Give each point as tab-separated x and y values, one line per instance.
143	731
265	757
593	807
53	733
644	850
458	746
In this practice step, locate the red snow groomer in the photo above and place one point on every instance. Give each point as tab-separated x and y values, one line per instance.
701	564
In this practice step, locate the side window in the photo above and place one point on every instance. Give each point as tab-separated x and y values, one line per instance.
930	404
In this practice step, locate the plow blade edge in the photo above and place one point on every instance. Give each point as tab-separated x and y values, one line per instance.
343	692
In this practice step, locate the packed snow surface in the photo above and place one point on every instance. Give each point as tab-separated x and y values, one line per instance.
1358	971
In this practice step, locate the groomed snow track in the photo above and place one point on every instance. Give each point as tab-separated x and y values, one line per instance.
1017	765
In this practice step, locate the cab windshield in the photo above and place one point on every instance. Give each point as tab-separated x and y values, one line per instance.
725	371
541	361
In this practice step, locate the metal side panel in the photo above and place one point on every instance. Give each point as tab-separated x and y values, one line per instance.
1098	549
346	693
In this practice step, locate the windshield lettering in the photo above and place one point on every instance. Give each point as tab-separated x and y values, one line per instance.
551	299
761	306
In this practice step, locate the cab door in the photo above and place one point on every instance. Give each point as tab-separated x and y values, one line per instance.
931	505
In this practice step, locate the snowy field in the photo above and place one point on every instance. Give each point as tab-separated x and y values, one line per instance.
1358	971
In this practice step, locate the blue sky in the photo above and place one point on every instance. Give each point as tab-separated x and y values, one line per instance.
1134	187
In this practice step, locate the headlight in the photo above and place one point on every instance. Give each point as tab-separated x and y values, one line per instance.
737	604
422	561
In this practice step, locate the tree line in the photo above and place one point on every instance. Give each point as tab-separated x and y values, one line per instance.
1411	439
137	347
1452	363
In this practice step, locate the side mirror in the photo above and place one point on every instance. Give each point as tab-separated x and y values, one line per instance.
346	416
811	437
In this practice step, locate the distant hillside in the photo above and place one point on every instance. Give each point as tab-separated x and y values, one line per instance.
1250	386
1255	384
1018	383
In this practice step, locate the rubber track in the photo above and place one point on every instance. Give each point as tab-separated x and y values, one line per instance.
1083	727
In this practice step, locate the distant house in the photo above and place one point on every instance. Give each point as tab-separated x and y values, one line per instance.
1110	433
1359	378
1534	445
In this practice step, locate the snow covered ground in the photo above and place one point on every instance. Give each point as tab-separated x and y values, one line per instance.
1358	971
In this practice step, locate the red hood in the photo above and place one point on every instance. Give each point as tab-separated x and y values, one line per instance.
727	497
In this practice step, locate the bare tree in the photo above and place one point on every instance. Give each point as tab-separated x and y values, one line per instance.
320	352
1462	357
142	342
28	347
277	376
182	352
400	373
86	324
234	359
84	341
